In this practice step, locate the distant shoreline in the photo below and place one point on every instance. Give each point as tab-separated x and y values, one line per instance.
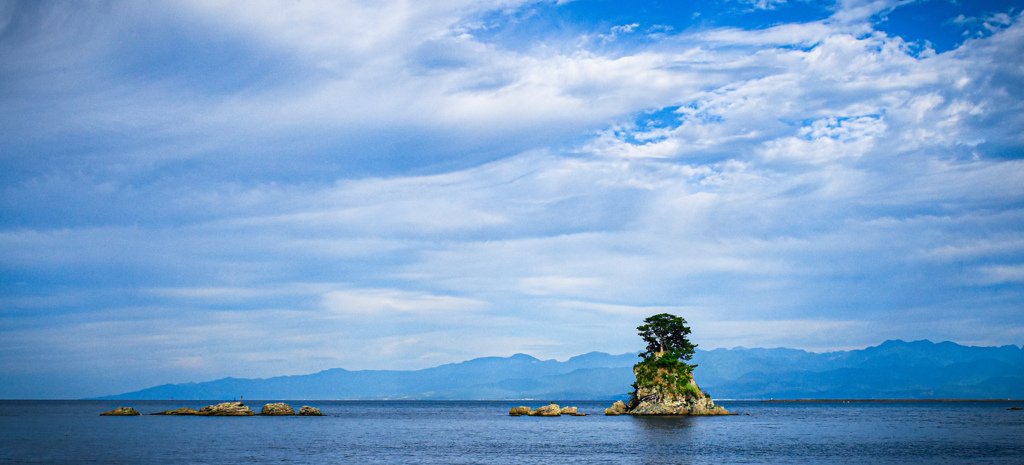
889	400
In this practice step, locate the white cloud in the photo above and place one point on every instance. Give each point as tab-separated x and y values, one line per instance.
392	302
403	193
828	140
998	274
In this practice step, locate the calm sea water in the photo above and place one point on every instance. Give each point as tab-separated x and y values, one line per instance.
481	432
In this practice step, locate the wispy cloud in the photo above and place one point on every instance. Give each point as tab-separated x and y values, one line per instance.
278	187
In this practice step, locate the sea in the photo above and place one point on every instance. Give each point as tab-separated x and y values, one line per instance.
482	432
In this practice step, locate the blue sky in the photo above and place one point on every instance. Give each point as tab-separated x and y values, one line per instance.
198	189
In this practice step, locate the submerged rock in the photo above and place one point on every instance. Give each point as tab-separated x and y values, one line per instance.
551	410
178	411
226	409
121	412
618	408
1015	408
520	410
310	411
278	408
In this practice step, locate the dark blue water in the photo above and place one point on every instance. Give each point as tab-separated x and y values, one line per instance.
482	432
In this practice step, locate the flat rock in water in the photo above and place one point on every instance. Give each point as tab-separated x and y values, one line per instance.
279	408
310	411
178	411
121	412
569	411
226	409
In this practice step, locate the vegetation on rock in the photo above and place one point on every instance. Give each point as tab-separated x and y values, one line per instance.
663	374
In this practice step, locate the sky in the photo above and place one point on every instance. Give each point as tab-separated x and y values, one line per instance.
191	190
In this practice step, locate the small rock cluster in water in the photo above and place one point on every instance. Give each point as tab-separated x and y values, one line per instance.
550	410
121	411
224	409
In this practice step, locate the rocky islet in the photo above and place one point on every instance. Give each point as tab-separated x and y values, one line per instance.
224	409
550	410
121	412
178	411
277	408
664	378
663	391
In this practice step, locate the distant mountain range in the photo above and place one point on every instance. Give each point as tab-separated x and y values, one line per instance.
892	370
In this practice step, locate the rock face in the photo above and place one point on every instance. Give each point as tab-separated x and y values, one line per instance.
520	410
684	406
663	392
226	409
178	411
279	408
618	408
665	386
310	411
121	411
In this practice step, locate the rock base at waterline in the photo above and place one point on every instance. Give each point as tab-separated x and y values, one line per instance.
695	407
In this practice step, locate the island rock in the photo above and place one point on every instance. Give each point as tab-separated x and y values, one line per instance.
664	381
279	408
310	411
226	409
178	411
569	411
121	412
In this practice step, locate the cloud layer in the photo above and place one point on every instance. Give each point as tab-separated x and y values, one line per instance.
205	189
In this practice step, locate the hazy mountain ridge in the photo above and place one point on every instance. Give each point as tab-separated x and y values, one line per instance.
894	369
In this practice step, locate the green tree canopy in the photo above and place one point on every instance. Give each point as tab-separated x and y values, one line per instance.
665	336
